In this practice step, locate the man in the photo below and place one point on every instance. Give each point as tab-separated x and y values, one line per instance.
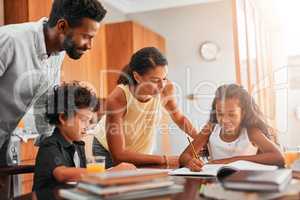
31	55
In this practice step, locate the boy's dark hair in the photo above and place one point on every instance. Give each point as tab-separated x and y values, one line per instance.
67	99
141	62
252	115
75	10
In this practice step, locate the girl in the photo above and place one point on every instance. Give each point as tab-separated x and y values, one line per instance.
235	131
133	110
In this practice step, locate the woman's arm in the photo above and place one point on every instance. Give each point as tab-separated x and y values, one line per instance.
170	104
199	143
270	153
116	109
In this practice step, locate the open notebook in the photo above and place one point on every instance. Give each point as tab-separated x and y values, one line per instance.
218	169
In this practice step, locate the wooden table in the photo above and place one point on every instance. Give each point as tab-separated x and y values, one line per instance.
191	191
6	178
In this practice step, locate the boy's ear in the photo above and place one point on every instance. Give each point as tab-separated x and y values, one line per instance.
62	119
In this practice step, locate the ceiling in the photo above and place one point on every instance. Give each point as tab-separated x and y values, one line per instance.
134	6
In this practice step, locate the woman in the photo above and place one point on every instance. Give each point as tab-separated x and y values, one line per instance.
133	111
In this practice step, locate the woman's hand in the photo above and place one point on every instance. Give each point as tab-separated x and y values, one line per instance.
173	161
195	165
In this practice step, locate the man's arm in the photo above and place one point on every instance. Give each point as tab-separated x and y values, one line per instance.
6	52
43	128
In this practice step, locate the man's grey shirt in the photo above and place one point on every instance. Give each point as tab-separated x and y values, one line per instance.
26	75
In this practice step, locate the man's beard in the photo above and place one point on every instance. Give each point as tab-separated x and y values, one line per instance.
70	47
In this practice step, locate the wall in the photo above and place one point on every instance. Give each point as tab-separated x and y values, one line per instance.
292	134
289	16
113	14
185	29
271	15
288	98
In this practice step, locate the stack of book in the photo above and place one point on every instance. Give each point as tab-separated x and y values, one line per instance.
133	184
258	181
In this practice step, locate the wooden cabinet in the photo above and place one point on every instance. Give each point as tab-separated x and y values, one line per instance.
122	40
18	11
28	153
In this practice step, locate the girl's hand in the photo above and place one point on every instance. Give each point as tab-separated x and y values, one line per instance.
215	162
195	165
221	161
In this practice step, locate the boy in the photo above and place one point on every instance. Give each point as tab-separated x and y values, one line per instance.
61	157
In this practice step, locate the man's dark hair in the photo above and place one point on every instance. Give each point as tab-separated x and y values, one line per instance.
67	99
73	11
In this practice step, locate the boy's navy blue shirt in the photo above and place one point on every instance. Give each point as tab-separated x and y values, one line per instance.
53	152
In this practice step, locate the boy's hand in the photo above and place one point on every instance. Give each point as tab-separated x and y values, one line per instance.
121	167
195	165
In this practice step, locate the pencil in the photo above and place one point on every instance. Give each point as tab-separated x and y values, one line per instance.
194	152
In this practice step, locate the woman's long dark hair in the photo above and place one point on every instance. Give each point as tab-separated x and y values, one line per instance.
141	62
252	116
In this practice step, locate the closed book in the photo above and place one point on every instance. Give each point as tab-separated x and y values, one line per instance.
124	177
266	181
217	191
78	194
119	189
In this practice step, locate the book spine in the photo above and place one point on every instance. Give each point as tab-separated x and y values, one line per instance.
90	188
